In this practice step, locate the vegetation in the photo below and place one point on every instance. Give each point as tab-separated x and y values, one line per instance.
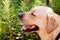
10	26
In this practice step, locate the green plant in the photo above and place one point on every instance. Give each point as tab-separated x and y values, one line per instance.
9	21
9	11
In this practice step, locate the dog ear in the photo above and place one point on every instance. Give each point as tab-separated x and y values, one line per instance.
51	24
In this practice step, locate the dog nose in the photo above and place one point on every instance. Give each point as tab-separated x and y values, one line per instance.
20	15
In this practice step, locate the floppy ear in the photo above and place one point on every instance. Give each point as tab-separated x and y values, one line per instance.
52	23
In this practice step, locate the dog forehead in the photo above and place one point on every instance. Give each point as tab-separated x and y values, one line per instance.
44	8
41	10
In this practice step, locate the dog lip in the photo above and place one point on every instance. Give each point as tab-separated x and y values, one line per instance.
29	28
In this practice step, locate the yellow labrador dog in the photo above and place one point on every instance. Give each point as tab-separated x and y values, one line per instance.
43	20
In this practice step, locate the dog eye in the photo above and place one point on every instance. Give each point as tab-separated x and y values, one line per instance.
33	14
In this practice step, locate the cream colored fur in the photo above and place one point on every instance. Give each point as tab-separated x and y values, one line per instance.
46	19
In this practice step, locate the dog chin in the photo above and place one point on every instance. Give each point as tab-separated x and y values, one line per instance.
29	28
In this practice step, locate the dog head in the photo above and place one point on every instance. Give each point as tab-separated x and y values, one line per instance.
37	18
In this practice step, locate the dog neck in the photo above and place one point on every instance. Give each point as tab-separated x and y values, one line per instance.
43	35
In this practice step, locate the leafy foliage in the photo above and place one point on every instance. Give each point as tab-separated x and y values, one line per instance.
10	26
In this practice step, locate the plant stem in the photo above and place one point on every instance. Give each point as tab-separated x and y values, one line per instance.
11	33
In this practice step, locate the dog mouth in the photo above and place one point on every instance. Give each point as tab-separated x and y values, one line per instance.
29	28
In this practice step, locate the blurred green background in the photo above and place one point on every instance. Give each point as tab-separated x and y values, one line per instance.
10	26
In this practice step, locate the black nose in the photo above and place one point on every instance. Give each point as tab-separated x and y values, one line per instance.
20	15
